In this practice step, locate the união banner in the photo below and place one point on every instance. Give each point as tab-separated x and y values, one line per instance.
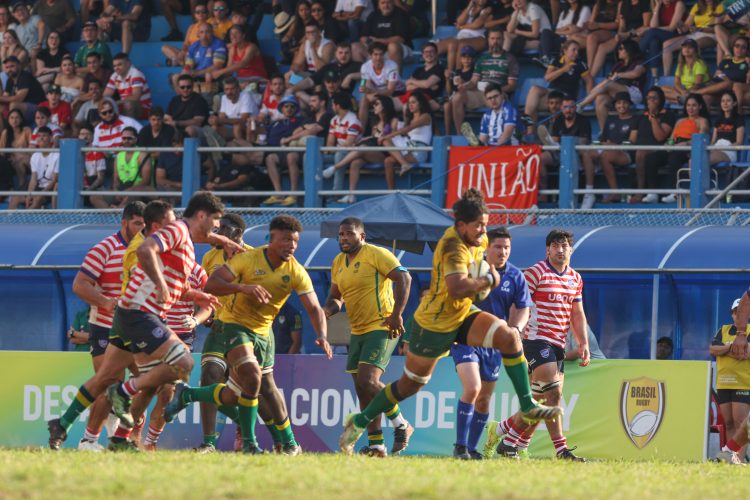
736	9
613	409
508	176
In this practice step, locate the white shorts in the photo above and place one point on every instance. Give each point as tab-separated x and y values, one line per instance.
732	155
401	141
635	94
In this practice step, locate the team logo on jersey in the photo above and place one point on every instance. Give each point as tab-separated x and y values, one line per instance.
570	282
259	272
157	332
642	402
282	320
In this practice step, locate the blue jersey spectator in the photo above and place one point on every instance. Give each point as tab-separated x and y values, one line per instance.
499	123
287	330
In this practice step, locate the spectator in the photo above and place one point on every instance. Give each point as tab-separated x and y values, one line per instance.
390	27
729	129
22	90
525	26
600	28
187	111
78	333
30	29
12	47
502	11
654	128
156	134
316	123
91	43
90	8
329	27
219	19
125	20
568	123
346	70
169	8
572	22
245	61
108	133
344	132
699	25
666	21
460	77
416	12
471	32
416	132
95	69
496	66
564	75
628	75
731	74
43	119
351	14
59	109
618	129
269	110
230	176
45	167
691	73
17	135
71	85
312	55
169	168
175	56
633	17
58	16
380	76
130	85
332	86
428	79
498	127
277	161
204	57
294	30
726	29
236	108
50	58
695	121
664	348
88	112
132	171
287	330
5	19
95	168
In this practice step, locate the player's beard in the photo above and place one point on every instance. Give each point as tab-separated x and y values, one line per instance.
352	249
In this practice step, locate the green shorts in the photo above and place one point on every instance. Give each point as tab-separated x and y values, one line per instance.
372	348
216	343
263	345
429	344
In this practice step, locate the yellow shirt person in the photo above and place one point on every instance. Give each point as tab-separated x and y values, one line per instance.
213	260
130	259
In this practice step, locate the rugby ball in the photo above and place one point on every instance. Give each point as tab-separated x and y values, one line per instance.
476	269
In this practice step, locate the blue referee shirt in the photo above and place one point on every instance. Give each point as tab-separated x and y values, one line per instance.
513	290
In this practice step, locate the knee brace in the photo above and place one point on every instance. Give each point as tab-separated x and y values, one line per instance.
417	378
542	387
233	386
221	362
173	357
250	358
490	335
147	367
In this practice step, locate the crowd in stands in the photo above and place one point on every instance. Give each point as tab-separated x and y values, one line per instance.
363	73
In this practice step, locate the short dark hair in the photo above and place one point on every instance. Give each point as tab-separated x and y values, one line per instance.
285	223
492	86
132	130
95	55
44	110
555	94
320	95
185	77
204	201
378	46
344	44
154	212
470	207
495	29
231	80
157	111
498	232
44	130
666	340
86	126
235	220
558	236
121	56
353	221
342	100
275	76
133	209
430	44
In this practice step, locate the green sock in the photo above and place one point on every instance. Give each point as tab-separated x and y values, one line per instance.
211	439
382	402
518	373
375	438
82	401
275	433
248	415
208	394
230	411
286	435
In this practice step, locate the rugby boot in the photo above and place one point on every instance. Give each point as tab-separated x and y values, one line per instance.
120	406
567	454
86	445
492	439
121	444
401	436
729	457
291	450
57	434
278	448
177	403
205	448
460	452
351	434
541	412
372	451
475	455
252	448
507	451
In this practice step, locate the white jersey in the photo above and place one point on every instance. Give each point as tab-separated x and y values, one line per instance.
245	104
380	79
45	168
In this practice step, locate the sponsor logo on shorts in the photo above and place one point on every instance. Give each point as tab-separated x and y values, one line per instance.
141	345
545	352
496	371
158	332
642	403
103	343
742	393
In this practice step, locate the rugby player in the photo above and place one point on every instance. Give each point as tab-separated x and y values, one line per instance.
556	290
260	281
98	284
165	260
375	288
479	367
448	312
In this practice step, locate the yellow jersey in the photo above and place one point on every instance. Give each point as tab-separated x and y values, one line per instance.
365	287
731	373
438	311
213	260
130	259
254	268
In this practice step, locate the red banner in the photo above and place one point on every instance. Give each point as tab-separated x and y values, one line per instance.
508	176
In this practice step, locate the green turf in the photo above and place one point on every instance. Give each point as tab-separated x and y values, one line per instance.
71	474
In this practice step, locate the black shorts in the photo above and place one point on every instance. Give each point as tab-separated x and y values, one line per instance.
98	339
733	396
283	159
188	340
141	331
541	352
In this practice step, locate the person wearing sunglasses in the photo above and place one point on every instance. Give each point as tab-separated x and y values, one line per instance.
205	56
132	170
219	19
175	56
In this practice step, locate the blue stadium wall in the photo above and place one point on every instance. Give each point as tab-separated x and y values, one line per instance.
37	306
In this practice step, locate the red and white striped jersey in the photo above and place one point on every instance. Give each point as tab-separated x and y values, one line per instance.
103	264
182	308
177	256
124	85
109	135
553	294
342	128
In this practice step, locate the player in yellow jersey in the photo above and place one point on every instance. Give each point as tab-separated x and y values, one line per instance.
446	315
259	282
375	288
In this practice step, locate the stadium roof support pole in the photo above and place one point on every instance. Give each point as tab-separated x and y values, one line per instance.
313	166
191	169
440	152
568	171
70	181
700	175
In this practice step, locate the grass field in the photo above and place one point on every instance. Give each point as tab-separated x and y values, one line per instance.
70	474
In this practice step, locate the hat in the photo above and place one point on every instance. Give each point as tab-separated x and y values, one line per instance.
468	51
623	96
289	99
11	59
89	24
53	88
331	76
736	303
691	42
17	5
282	21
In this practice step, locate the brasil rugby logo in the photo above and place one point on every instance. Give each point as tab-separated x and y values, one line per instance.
642	403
